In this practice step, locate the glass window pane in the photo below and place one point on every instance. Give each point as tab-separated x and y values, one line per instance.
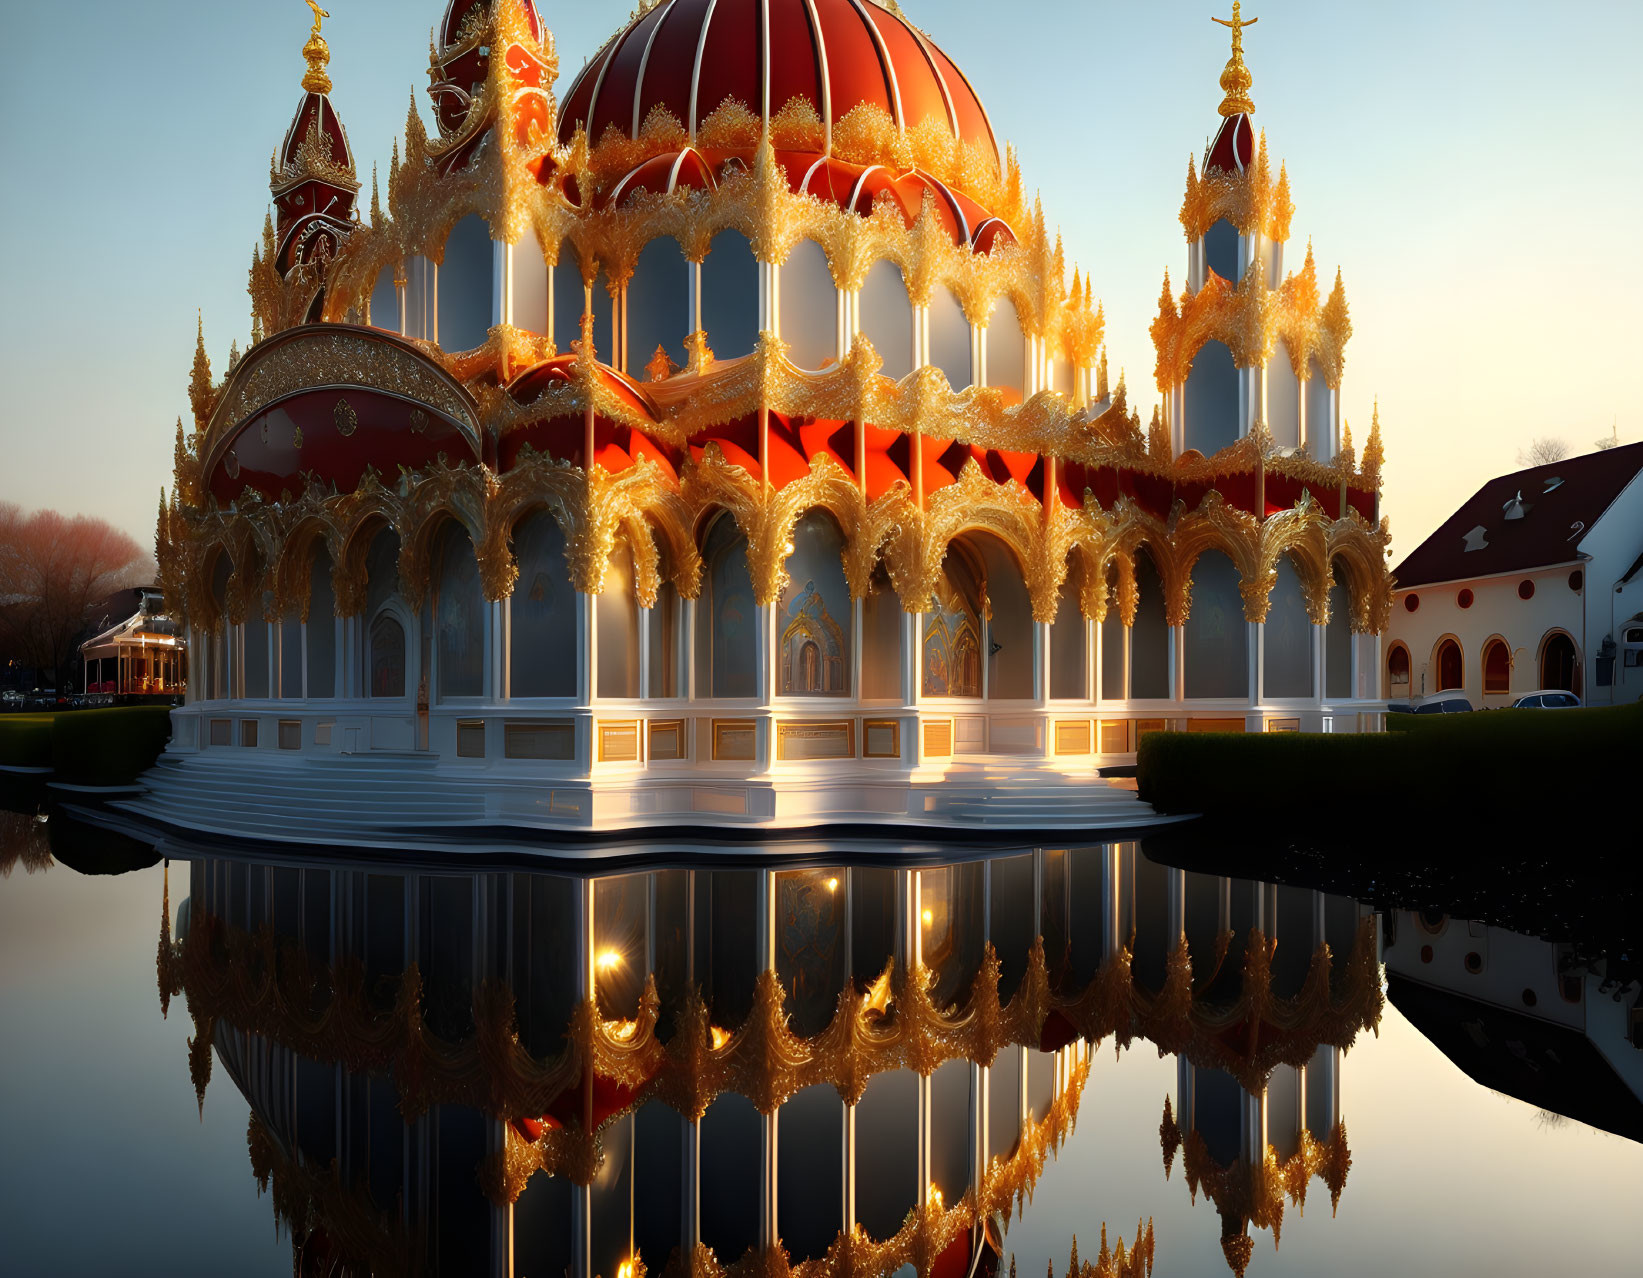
664	643
726	619
1288	637
1217	636
730	296
542	649
1068	667
618	616
459	614
810	307
881	659
321	631
658	306
1149	637
887	317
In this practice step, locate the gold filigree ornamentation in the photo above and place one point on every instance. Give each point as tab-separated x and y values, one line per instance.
345	418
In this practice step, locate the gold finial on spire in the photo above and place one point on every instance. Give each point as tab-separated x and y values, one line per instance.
1236	79
317	52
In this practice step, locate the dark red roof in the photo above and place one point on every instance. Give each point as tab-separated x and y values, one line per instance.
691	55
1555	521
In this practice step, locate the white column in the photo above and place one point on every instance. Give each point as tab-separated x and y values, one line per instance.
1177	662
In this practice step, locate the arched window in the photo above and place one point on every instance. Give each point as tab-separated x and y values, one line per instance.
1217	636
1338	640
1287	637
887	317
386	658
952	630
465	285
618	615
810	307
1211	405
1497	667
730	296
1397	673
815	630
1149	636
570	300
385	301
726	618
950	339
881	659
658	307
1069	664
1006	350
321	631
1221	251
1283	399
542	660
1559	663
1450	667
458	614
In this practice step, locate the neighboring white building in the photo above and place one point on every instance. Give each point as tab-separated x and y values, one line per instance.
1522	1016
1536	582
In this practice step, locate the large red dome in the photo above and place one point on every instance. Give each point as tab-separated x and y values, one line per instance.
689	56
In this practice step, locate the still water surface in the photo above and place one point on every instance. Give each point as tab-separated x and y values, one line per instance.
261	1119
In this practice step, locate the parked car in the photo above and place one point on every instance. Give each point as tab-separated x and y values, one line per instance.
1443	703
1547	699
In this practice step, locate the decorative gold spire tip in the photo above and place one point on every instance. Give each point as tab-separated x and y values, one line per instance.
1236	79
318	54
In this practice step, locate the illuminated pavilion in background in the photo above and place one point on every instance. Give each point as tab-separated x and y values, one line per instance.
727	443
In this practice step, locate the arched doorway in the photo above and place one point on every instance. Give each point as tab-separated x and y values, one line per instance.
1397	673
1559	663
1451	669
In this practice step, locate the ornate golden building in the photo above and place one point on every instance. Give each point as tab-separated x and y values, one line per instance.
733	425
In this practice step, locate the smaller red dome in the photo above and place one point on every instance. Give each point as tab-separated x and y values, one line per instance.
1233	149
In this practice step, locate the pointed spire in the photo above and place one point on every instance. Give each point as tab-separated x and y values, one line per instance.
1337	317
1374	453
199	382
1283	207
1236	80
317	54
376	198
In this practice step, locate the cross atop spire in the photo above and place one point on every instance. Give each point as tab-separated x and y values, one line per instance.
1236	79
318	53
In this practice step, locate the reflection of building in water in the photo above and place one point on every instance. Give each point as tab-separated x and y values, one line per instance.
848	1060
727	441
1523	1016
1249	1142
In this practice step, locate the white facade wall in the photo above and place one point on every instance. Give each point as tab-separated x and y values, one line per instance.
1496	609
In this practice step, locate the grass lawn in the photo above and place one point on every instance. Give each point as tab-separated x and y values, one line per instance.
87	747
1569	770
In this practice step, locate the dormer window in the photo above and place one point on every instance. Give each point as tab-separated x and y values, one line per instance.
1516	508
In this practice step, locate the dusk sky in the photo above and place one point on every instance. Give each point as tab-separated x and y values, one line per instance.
1470	167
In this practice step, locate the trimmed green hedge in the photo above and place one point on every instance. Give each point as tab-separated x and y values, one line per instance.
1543	766
25	740
87	747
109	747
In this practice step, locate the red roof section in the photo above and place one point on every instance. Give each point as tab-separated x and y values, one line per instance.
691	55
1556	519
1233	149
